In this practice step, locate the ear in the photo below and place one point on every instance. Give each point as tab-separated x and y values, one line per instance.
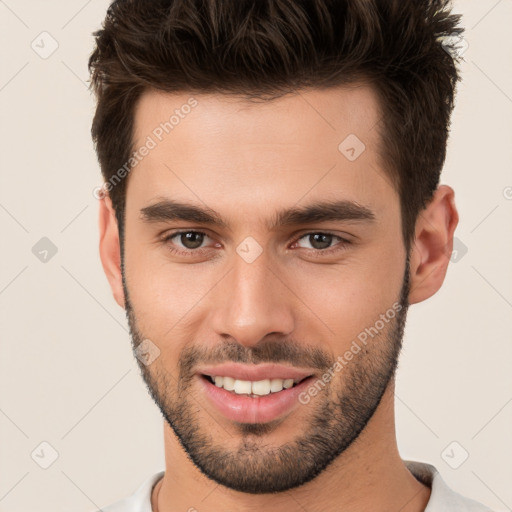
433	245
110	248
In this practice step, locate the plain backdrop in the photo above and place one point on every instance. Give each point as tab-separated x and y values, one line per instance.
67	375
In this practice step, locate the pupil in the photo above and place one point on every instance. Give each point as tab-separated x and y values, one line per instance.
323	244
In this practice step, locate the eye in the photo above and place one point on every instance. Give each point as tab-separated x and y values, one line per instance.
189	240
320	242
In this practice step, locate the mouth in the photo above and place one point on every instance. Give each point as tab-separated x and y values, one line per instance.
254	394
253	388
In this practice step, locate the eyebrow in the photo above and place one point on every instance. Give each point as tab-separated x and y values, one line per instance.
321	211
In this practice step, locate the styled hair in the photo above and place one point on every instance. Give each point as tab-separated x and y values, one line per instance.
265	49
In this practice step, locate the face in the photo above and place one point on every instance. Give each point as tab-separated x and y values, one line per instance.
261	251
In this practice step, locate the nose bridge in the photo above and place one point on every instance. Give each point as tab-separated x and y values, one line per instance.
254	301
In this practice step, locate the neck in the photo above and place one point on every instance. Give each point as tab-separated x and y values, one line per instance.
369	475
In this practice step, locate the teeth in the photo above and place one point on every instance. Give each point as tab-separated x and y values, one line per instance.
261	387
242	387
287	383
247	387
276	385
228	383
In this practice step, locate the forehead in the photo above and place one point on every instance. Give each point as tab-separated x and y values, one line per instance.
291	119
213	148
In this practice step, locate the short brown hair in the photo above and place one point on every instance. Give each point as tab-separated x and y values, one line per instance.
264	49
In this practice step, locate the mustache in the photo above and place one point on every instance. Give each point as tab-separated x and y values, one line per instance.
267	351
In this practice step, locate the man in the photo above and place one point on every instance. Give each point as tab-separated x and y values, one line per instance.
271	207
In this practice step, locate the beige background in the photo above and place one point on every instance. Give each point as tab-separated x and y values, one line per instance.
67	376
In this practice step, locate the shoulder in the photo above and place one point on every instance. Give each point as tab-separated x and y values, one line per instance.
442	497
139	500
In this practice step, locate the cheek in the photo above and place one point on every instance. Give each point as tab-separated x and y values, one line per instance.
161	294
349	298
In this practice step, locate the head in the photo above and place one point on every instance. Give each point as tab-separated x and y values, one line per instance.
272	197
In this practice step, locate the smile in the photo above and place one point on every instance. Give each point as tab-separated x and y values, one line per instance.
253	388
253	393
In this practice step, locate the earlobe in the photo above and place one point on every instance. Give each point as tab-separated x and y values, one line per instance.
433	245
110	249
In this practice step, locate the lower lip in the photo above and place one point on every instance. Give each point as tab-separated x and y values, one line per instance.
260	409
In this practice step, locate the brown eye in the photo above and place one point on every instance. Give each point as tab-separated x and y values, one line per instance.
191	239
320	241
188	240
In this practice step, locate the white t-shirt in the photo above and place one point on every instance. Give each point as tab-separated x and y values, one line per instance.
442	498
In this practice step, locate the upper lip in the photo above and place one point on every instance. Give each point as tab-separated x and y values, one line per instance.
255	372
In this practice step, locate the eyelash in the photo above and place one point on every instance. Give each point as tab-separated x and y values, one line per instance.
314	252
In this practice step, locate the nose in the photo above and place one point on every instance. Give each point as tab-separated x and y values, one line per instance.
252	302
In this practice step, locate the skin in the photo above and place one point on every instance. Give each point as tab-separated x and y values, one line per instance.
247	161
